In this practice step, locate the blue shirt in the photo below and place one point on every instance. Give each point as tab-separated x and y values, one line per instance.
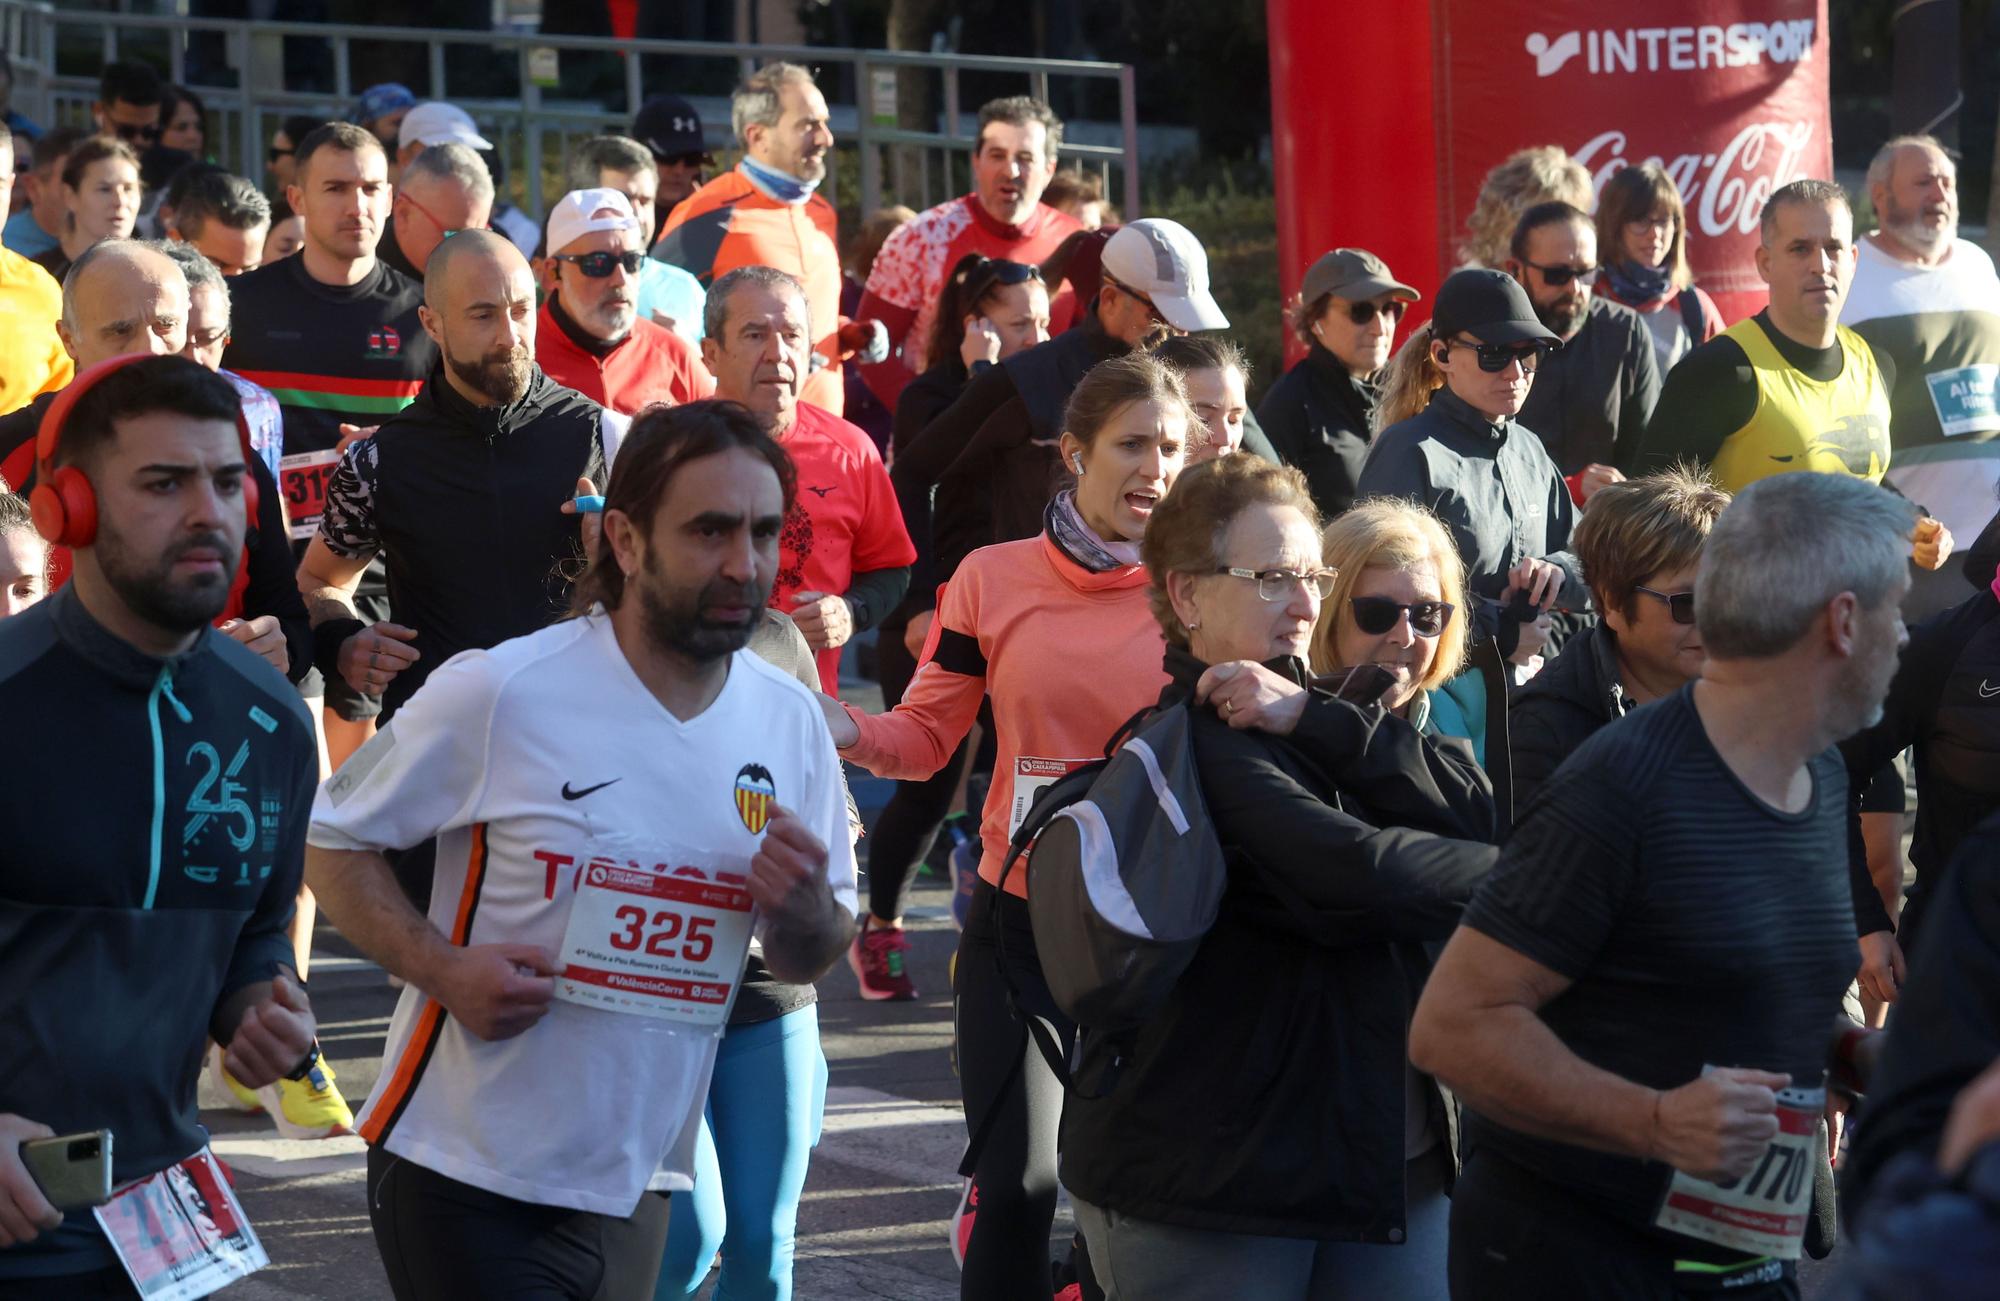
25	237
674	293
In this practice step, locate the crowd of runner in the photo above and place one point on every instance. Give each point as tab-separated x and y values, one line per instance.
1526	715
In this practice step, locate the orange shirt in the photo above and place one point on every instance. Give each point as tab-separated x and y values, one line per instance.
32	360
730	223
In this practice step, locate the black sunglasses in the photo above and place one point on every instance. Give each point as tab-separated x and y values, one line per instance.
1560	276
599	265
1002	271
1496	357
273	154
129	131
685	160
1363	313
1376	615
1679	604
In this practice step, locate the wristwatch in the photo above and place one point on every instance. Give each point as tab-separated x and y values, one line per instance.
304	1069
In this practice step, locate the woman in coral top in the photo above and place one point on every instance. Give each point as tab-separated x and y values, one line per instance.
1058	630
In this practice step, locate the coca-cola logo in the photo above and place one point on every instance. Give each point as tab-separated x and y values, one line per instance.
1724	191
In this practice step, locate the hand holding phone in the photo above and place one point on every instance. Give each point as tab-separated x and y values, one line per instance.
72	1170
25	1212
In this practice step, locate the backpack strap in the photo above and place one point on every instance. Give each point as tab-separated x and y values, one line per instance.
1691	316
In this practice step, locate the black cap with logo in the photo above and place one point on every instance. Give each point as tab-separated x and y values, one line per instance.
669	126
1490	306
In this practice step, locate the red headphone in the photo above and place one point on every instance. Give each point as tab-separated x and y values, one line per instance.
63	503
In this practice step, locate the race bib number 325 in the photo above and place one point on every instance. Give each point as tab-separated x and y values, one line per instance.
656	944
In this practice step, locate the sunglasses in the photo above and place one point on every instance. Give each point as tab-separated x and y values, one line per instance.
1139	298
1279	584
1364	313
682	160
129	132
1376	615
1557	277
1004	272
1679	604
599	265
1496	357
273	154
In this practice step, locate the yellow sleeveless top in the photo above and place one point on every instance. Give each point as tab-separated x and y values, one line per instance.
1840	426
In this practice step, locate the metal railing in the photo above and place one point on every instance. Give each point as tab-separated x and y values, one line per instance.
243	116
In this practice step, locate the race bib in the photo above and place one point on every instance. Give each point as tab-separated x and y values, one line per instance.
1763	1213
668	944
182	1233
1965	399
1030	775
304	477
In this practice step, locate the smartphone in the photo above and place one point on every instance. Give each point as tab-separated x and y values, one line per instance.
72	1170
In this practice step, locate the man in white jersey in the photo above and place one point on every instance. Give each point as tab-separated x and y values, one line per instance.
1930	302
620	802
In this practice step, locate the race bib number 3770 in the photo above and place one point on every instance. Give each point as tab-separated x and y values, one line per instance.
1764	1212
656	944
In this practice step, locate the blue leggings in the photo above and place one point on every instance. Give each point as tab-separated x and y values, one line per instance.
758	1131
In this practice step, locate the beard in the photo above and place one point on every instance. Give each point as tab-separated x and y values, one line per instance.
1909	228
677	621
1564	315
151	590
612	320
501	375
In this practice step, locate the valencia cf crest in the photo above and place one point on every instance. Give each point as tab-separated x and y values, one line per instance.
755	794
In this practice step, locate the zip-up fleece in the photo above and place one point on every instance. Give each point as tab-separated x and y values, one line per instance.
156	822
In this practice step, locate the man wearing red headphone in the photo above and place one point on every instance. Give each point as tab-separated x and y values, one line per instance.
157	841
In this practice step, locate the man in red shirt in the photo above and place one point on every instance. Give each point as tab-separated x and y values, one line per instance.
843	558
591	337
766	213
1013	157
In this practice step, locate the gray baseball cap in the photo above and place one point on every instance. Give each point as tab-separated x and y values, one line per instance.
1355	274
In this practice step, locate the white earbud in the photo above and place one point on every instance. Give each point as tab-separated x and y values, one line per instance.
1076	462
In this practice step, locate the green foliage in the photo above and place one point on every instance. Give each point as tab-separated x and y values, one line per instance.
1233	211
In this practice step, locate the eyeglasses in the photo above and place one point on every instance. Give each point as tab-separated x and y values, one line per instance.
1560	276
133	132
448	231
1679	604
1376	615
601	264
1140	298
1279	584
1364	313
1496	357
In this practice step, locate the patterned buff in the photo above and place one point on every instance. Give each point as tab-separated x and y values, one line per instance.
1080	542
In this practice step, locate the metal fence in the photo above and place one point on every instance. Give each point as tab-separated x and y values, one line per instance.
533	131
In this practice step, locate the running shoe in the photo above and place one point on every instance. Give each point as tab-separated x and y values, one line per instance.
308	1108
964	875
880	958
245	1100
961	1222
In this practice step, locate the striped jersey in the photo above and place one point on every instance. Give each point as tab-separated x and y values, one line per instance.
331	354
526	762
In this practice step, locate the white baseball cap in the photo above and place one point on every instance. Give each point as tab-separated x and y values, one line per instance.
1164	261
585	212
439	123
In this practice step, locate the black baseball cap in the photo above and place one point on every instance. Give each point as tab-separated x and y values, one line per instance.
1490	306
669	126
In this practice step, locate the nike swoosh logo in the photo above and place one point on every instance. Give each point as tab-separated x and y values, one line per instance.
1986	692
569	794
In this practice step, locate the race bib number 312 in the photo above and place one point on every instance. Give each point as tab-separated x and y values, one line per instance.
656	944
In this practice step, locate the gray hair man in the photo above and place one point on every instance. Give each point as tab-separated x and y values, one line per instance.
1642	1000
221	215
765	212
443	190
665	295
1928	302
845	557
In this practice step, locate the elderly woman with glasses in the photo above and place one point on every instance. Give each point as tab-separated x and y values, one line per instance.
1319	415
1264	1135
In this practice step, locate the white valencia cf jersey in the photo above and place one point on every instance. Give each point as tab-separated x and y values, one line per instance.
573	812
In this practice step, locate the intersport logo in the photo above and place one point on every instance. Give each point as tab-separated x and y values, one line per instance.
1724	191
1673	49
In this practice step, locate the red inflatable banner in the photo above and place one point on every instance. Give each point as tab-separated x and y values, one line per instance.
1730	96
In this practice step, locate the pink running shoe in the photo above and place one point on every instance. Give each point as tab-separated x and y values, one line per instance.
879	956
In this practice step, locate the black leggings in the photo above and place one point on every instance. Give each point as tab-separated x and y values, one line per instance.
910	821
441	1239
1011	1094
